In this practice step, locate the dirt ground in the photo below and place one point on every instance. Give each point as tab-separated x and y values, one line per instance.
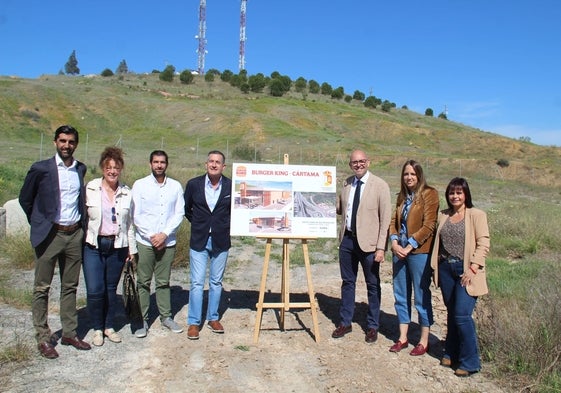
282	361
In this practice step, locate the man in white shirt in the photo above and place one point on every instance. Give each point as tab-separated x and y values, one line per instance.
52	197
158	210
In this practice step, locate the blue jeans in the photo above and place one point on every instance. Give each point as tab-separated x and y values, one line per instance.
198	264
412	274
102	272
461	340
350	255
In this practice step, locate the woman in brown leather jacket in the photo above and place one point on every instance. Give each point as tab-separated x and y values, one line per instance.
412	234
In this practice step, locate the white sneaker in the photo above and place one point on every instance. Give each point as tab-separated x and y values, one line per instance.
172	325
143	331
97	338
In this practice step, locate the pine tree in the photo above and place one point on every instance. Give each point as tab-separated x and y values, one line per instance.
71	66
123	68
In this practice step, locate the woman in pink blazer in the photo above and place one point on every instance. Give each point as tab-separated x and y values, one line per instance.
458	259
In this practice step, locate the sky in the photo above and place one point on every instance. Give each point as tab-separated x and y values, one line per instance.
491	64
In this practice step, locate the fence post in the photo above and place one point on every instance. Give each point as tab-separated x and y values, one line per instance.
2	223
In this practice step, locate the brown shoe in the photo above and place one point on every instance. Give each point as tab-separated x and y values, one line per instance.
446	362
371	335
215	326
47	350
462	373
193	332
341	331
76	343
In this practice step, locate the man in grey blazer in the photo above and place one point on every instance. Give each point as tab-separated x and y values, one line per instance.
52	197
365	206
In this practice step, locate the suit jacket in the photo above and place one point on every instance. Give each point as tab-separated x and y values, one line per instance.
373	215
39	198
421	220
203	221
476	247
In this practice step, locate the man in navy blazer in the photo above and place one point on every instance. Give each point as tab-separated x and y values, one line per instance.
207	207
52	197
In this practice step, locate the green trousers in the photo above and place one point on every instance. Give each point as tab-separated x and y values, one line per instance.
157	263
66	249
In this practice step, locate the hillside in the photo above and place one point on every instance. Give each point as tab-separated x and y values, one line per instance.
142	113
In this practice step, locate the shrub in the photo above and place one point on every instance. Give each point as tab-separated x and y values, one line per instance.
386	106
313	87
370	102
359	95
429	112
247	153
186	77
107	72
326	89
256	83
503	163
167	74
226	75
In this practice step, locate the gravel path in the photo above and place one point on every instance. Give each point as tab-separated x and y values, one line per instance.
282	361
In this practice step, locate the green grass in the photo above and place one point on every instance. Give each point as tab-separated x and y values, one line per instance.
517	323
18	251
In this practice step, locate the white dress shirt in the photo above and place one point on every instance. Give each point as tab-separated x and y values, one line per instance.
69	186
349	210
157	208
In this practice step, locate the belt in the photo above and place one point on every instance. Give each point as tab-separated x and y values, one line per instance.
349	233
450	259
110	237
67	228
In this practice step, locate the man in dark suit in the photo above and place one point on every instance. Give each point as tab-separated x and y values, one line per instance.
52	197
207	207
365	205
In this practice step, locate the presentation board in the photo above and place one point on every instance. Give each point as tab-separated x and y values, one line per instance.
295	200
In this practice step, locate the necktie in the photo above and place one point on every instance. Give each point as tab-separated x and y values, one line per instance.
356	201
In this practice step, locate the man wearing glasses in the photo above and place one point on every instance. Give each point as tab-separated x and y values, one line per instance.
365	206
157	214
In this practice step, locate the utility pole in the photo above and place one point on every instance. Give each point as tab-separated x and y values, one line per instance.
241	64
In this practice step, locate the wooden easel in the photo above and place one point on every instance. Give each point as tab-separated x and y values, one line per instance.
285	304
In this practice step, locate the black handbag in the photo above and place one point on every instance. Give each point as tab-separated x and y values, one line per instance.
130	294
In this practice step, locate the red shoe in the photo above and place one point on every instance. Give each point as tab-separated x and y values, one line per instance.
419	350
398	346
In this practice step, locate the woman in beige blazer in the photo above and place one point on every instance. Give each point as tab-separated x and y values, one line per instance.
109	244
458	259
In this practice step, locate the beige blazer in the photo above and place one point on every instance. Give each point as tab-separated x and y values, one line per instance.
475	250
123	201
373	215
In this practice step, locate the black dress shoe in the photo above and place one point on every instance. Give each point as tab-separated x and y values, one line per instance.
47	350
371	335
76	343
341	331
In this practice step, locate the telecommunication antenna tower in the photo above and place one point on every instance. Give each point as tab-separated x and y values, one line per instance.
241	64
202	38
